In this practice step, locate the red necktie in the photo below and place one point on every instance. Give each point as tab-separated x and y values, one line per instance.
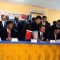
9	34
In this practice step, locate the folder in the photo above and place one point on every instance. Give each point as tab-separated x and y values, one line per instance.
28	34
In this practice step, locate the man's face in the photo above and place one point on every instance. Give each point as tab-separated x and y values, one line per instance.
10	26
38	21
42	29
58	23
45	19
4	17
57	31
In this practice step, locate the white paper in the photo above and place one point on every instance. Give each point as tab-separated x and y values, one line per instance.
35	34
14	40
33	40
52	41
0	39
57	41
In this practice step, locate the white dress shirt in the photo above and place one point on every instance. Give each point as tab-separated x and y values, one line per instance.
41	33
3	23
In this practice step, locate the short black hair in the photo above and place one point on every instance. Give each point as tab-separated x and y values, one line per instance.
2	16
33	18
38	17
41	26
58	20
56	28
7	17
54	22
9	22
16	18
44	17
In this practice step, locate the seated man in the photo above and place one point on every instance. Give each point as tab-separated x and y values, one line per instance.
9	33
42	36
55	34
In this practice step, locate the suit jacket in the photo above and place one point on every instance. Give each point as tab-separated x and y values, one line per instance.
4	34
47	27
52	27
58	37
52	36
22	30
44	35
0	33
35	26
1	25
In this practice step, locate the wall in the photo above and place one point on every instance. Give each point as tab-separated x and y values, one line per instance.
24	9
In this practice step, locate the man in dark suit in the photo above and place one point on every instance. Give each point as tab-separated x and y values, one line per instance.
9	32
42	36
46	24
3	22
22	30
58	24
36	24
55	34
53	26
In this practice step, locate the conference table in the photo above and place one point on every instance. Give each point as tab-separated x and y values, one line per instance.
25	50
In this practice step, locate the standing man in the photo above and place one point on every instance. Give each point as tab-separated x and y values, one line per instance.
46	24
36	24
3	22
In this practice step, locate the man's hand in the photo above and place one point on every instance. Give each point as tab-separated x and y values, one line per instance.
8	38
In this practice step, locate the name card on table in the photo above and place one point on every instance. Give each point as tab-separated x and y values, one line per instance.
0	39
35	34
57	41
14	40
33	40
52	41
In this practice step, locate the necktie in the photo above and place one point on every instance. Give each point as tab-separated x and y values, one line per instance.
9	34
